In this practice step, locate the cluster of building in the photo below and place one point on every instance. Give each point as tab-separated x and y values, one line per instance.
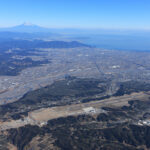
144	122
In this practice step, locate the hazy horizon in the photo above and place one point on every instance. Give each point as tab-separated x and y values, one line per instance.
92	14
112	24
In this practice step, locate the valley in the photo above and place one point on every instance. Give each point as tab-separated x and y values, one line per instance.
93	98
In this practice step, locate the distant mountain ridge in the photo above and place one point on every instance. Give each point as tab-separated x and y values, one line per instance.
25	44
28	28
31	28
26	35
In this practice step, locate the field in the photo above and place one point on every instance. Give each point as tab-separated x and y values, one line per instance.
40	116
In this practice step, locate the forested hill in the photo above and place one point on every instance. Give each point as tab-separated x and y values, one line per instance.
40	44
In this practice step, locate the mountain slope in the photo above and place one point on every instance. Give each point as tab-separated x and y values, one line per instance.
29	28
40	44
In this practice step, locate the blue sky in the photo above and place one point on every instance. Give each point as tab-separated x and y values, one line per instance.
129	14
